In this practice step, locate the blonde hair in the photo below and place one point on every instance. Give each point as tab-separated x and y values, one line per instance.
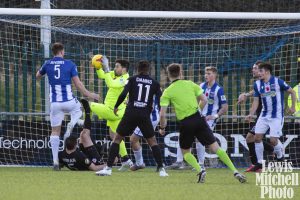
212	69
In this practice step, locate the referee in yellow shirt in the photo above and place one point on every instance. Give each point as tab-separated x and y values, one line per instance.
184	96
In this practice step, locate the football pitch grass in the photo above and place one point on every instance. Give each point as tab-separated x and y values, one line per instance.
42	183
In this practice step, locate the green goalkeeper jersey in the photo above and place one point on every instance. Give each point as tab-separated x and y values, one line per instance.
114	83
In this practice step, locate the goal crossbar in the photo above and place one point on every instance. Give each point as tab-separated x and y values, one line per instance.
148	14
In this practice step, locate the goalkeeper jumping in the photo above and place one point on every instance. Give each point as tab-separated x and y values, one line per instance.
115	80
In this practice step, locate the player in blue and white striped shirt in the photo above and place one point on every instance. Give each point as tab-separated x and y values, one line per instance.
271	90
215	107
61	73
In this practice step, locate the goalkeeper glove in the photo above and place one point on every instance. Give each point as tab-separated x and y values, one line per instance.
105	64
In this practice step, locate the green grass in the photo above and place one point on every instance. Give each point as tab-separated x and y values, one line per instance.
43	183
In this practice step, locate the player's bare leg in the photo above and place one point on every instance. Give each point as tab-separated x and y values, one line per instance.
137	150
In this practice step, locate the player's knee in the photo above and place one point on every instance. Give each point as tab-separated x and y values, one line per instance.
250	138
118	138
214	147
273	141
258	138
152	141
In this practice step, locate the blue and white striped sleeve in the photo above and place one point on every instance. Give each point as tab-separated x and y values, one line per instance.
283	85
221	96
256	93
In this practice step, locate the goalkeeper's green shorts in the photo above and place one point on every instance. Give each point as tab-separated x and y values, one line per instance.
107	113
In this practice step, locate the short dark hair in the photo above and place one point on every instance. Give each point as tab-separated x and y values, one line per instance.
123	63
258	62
57	47
174	70
71	142
143	67
266	66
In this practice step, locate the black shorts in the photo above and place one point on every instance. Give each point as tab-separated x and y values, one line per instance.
195	126
136	118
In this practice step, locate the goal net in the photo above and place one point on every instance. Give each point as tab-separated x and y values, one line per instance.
232	45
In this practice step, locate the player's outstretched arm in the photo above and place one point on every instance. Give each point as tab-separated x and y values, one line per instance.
253	109
243	97
83	90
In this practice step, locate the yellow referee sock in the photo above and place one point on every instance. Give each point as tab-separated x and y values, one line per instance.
190	158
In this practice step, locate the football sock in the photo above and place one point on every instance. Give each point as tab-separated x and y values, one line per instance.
122	150
113	153
200	152
259	150
268	147
179	155
252	153
191	160
87	122
138	157
54	141
278	149
157	155
225	159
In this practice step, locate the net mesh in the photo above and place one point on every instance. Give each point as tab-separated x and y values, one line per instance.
230	45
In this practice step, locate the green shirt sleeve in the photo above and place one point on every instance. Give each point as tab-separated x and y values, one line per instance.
115	83
165	99
198	90
100	73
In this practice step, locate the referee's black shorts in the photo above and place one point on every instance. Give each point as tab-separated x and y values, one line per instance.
136	118
195	126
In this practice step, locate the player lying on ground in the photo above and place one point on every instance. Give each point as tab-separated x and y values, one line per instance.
192	123
271	91
87	157
251	133
137	135
216	106
61	73
141	89
115	81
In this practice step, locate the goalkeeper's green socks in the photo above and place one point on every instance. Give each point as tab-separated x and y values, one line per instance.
190	159
122	150
225	159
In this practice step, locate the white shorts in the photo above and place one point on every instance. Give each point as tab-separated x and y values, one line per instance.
58	110
138	132
275	125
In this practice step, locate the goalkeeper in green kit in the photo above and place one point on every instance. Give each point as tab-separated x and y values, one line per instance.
115	80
